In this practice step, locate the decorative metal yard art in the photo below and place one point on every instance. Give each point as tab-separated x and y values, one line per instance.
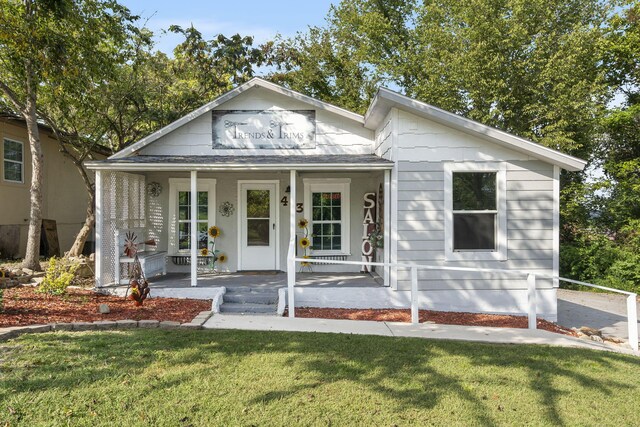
226	209
213	254
305	242
137	281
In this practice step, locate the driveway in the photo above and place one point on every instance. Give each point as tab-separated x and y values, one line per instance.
605	311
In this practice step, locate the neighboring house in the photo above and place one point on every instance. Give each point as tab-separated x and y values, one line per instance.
65	196
445	190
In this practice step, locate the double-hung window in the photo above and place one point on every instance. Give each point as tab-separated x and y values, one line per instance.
326	206
13	161
475	211
184	219
180	213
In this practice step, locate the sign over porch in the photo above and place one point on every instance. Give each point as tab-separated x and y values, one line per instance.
264	129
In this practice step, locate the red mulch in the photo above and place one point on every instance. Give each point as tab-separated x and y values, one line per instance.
442	317
24	306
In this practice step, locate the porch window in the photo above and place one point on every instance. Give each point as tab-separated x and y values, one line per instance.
475	211
184	219
180	213
327	209
326	219
13	164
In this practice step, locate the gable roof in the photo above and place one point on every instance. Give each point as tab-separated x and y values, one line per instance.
387	99
255	82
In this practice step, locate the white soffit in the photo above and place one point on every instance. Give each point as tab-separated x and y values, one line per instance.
387	99
255	82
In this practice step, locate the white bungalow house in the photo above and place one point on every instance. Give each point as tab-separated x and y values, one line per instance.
444	190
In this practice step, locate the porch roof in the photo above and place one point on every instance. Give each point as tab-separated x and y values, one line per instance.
231	163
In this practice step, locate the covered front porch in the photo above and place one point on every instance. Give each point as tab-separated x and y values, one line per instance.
257	203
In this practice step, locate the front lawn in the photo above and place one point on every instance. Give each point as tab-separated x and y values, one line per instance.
206	378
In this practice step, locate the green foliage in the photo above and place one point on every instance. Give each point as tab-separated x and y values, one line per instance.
611	261
533	68
59	275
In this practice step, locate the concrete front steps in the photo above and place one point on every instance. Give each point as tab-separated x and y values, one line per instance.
250	300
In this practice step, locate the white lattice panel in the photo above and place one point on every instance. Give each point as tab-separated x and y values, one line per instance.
123	203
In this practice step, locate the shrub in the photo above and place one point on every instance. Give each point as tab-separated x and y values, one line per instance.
60	274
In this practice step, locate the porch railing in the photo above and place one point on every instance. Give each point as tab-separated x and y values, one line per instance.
632	316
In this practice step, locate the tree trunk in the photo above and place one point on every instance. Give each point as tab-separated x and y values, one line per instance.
89	222
32	256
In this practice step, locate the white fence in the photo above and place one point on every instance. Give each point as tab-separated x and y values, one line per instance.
632	316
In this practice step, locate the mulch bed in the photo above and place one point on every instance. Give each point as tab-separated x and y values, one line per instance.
441	317
23	306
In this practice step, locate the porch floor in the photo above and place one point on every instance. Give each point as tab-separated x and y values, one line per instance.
266	280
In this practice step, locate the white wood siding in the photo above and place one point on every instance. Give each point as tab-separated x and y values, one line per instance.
334	134
422	147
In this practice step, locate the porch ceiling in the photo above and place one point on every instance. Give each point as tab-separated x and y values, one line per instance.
258	162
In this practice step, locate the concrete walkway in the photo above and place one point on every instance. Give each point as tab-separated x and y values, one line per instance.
604	311
397	329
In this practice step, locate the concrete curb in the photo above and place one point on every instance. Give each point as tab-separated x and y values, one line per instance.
103	325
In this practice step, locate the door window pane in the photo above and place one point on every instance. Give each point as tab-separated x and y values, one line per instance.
258	204
258	232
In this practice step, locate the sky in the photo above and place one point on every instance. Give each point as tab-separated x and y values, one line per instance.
259	18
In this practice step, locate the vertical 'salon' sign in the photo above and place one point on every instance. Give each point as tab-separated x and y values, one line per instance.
368	225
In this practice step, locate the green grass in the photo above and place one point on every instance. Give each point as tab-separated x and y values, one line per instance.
200	378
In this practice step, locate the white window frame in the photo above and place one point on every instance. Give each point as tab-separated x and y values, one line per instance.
4	177
330	185
500	252
184	184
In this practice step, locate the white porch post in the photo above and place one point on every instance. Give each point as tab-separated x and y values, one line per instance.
98	229
194	228
291	264
387	223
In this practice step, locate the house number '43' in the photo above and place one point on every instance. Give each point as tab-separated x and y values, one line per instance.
285	202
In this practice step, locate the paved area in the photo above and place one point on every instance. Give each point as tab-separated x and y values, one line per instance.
604	311
396	329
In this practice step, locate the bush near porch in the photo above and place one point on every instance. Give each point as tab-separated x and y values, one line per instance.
201	378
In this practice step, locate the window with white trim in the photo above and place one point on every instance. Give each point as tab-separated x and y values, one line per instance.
184	219
180	213
326	206
13	161
475	211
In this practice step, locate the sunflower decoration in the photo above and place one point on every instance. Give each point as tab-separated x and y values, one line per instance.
214	231
305	243
222	258
204	251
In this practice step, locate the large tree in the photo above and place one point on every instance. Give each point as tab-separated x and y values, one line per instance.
530	67
54	46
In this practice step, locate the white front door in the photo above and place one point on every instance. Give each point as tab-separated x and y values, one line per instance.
258	226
